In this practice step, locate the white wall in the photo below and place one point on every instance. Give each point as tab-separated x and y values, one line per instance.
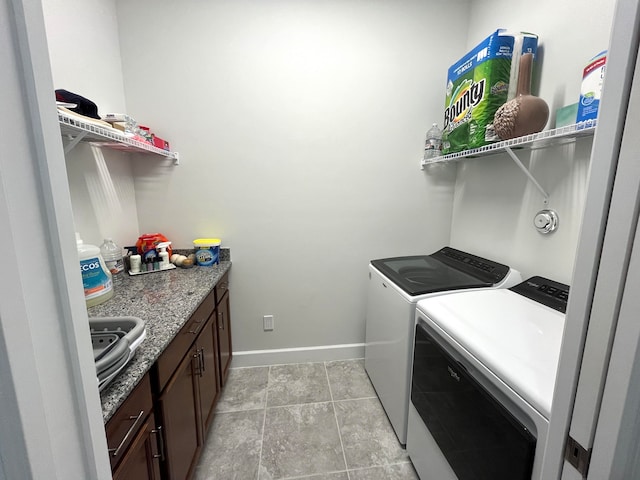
300	126
84	49
103	194
494	204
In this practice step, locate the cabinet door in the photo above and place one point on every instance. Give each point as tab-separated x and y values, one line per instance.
224	337
209	371
142	459
179	404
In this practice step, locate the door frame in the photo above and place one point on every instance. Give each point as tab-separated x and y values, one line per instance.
52	416
601	260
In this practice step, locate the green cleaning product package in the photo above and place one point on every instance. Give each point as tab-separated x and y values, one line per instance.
478	84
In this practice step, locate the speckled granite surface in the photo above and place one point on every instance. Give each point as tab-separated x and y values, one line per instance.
164	301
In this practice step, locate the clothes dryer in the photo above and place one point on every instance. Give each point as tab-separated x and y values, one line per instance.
484	370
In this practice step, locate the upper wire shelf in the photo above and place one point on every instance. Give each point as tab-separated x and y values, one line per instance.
80	130
533	141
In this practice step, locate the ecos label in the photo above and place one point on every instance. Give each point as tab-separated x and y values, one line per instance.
94	279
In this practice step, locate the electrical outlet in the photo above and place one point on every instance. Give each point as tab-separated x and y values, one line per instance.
267	323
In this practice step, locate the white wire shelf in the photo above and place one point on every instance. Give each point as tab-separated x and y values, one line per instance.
543	139
79	130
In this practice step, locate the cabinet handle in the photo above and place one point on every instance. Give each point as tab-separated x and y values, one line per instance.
116	451
198	356
202	359
196	328
221	316
158	431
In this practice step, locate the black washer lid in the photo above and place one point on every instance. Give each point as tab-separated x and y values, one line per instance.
547	292
446	269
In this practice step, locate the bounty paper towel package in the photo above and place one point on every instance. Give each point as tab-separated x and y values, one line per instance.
478	84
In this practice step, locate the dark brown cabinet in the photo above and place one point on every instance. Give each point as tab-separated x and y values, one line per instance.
223	321
187	403
209	378
178	409
159	431
189	378
142	460
135	442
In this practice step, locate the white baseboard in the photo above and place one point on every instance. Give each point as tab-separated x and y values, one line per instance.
325	353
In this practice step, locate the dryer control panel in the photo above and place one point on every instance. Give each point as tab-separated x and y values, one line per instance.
547	292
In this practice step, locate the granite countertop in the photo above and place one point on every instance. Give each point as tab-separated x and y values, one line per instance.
164	301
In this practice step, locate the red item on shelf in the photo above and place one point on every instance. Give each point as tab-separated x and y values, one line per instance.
160	143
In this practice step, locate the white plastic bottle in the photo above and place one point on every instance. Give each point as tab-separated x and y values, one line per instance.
96	277
136	262
164	255
112	255
433	143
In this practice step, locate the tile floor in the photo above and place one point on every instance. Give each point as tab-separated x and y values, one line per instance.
315	421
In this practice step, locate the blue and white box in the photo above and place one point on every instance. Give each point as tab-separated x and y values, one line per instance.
591	89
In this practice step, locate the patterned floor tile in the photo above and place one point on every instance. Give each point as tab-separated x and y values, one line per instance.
232	448
323	476
299	383
246	389
367	436
349	380
300	440
400	471
318	415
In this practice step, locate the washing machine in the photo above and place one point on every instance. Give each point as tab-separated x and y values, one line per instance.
483	374
395	286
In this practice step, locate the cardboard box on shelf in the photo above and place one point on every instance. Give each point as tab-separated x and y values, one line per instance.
591	88
119	126
566	115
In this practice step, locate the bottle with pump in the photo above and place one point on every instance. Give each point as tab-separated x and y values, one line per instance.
96	277
112	255
433	142
164	255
